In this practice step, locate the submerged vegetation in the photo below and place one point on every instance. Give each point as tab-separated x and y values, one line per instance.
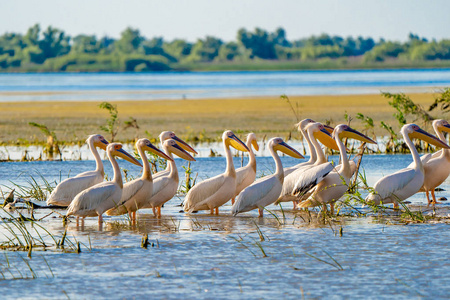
52	50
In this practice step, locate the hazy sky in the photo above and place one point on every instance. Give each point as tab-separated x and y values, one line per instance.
192	19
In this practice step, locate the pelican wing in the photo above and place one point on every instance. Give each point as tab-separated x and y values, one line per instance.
67	189
203	190
91	198
291	180
310	178
244	177
289	170
248	199
130	189
390	184
162	173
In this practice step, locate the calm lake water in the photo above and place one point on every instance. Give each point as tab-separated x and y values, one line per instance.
190	85
220	256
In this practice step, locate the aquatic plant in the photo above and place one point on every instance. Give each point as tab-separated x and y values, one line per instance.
112	123
26	234
52	146
442	100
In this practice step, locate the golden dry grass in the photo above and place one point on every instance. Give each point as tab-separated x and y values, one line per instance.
206	118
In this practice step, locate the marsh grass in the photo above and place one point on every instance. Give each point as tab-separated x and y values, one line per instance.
23	269
37	187
333	262
22	234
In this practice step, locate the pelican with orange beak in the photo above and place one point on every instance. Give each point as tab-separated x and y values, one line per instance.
403	184
216	191
166	135
336	183
266	190
97	199
67	189
136	192
308	176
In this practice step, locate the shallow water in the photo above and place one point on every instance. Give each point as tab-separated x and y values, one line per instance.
195	85
207	256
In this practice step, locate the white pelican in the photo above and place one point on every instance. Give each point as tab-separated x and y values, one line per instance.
266	190
246	175
335	184
67	189
403	184
97	199
165	135
436	166
165	187
301	179
137	191
216	191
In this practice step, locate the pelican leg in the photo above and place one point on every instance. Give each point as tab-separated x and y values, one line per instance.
428	198
78	221
217	211
133	216
232	200
434	197
159	211
100	219
260	212
295	204
212	211
332	208
154	211
395	205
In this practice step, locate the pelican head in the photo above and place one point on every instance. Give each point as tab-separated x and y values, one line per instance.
343	130
146	145
98	141
441	125
303	123
414	131
175	148
278	144
321	133
165	135
230	139
251	137
116	150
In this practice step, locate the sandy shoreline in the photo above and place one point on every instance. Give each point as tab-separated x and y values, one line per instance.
201	119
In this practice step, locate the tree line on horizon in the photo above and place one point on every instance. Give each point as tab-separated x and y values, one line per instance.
53	50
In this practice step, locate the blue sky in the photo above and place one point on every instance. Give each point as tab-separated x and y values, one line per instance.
192	19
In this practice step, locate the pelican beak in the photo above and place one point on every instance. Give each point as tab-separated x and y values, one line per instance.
446	127
125	155
425	136
286	149
184	145
353	134
182	153
255	145
102	144
237	144
158	152
328	128
325	138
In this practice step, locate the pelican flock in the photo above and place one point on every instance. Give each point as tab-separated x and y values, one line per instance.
315	182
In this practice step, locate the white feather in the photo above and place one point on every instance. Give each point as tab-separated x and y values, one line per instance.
95	200
67	189
261	193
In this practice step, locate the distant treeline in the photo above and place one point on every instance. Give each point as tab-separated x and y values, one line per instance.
52	50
